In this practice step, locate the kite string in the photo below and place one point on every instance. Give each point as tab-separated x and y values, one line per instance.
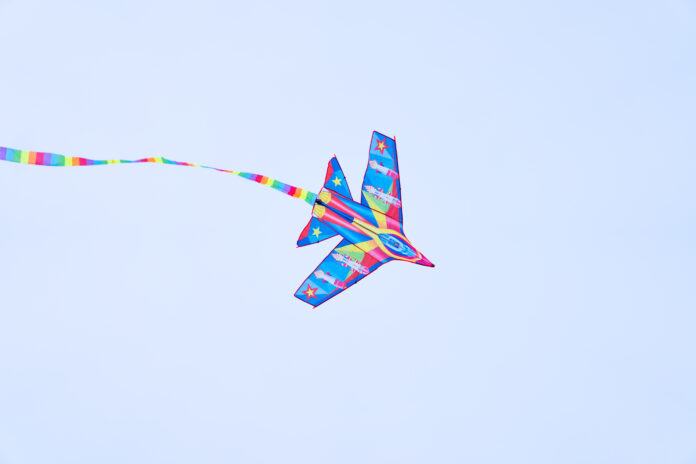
51	159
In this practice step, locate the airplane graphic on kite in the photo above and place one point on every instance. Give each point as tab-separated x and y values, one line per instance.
372	230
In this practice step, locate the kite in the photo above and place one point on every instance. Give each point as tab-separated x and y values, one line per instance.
371	231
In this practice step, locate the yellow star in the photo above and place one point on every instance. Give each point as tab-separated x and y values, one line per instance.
336	181
310	292
316	232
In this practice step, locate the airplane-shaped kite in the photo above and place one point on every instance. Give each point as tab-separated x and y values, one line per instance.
372	230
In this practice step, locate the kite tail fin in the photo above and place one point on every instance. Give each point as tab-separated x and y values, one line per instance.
38	158
335	180
315	231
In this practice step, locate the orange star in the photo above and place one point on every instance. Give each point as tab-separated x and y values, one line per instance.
381	145
310	292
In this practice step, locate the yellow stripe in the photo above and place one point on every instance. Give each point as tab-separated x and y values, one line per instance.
367	246
24	157
380	218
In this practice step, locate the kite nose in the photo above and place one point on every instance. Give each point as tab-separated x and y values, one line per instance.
425	262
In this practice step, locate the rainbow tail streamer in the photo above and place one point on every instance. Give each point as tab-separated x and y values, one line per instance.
51	159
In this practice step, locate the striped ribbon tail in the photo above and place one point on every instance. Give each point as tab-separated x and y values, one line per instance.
51	159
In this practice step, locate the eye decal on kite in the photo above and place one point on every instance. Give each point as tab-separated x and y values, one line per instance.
398	246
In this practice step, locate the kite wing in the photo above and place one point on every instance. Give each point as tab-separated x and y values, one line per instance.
381	189
346	265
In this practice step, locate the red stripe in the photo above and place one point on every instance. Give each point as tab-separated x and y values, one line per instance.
83	162
39	158
292	191
305	231
329	173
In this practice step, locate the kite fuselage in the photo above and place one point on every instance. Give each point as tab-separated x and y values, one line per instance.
372	231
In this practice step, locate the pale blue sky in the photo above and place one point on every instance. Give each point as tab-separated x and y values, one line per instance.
547	153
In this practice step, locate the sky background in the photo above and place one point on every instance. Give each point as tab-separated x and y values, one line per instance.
547	153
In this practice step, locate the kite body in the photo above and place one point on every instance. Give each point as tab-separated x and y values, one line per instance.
372	230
